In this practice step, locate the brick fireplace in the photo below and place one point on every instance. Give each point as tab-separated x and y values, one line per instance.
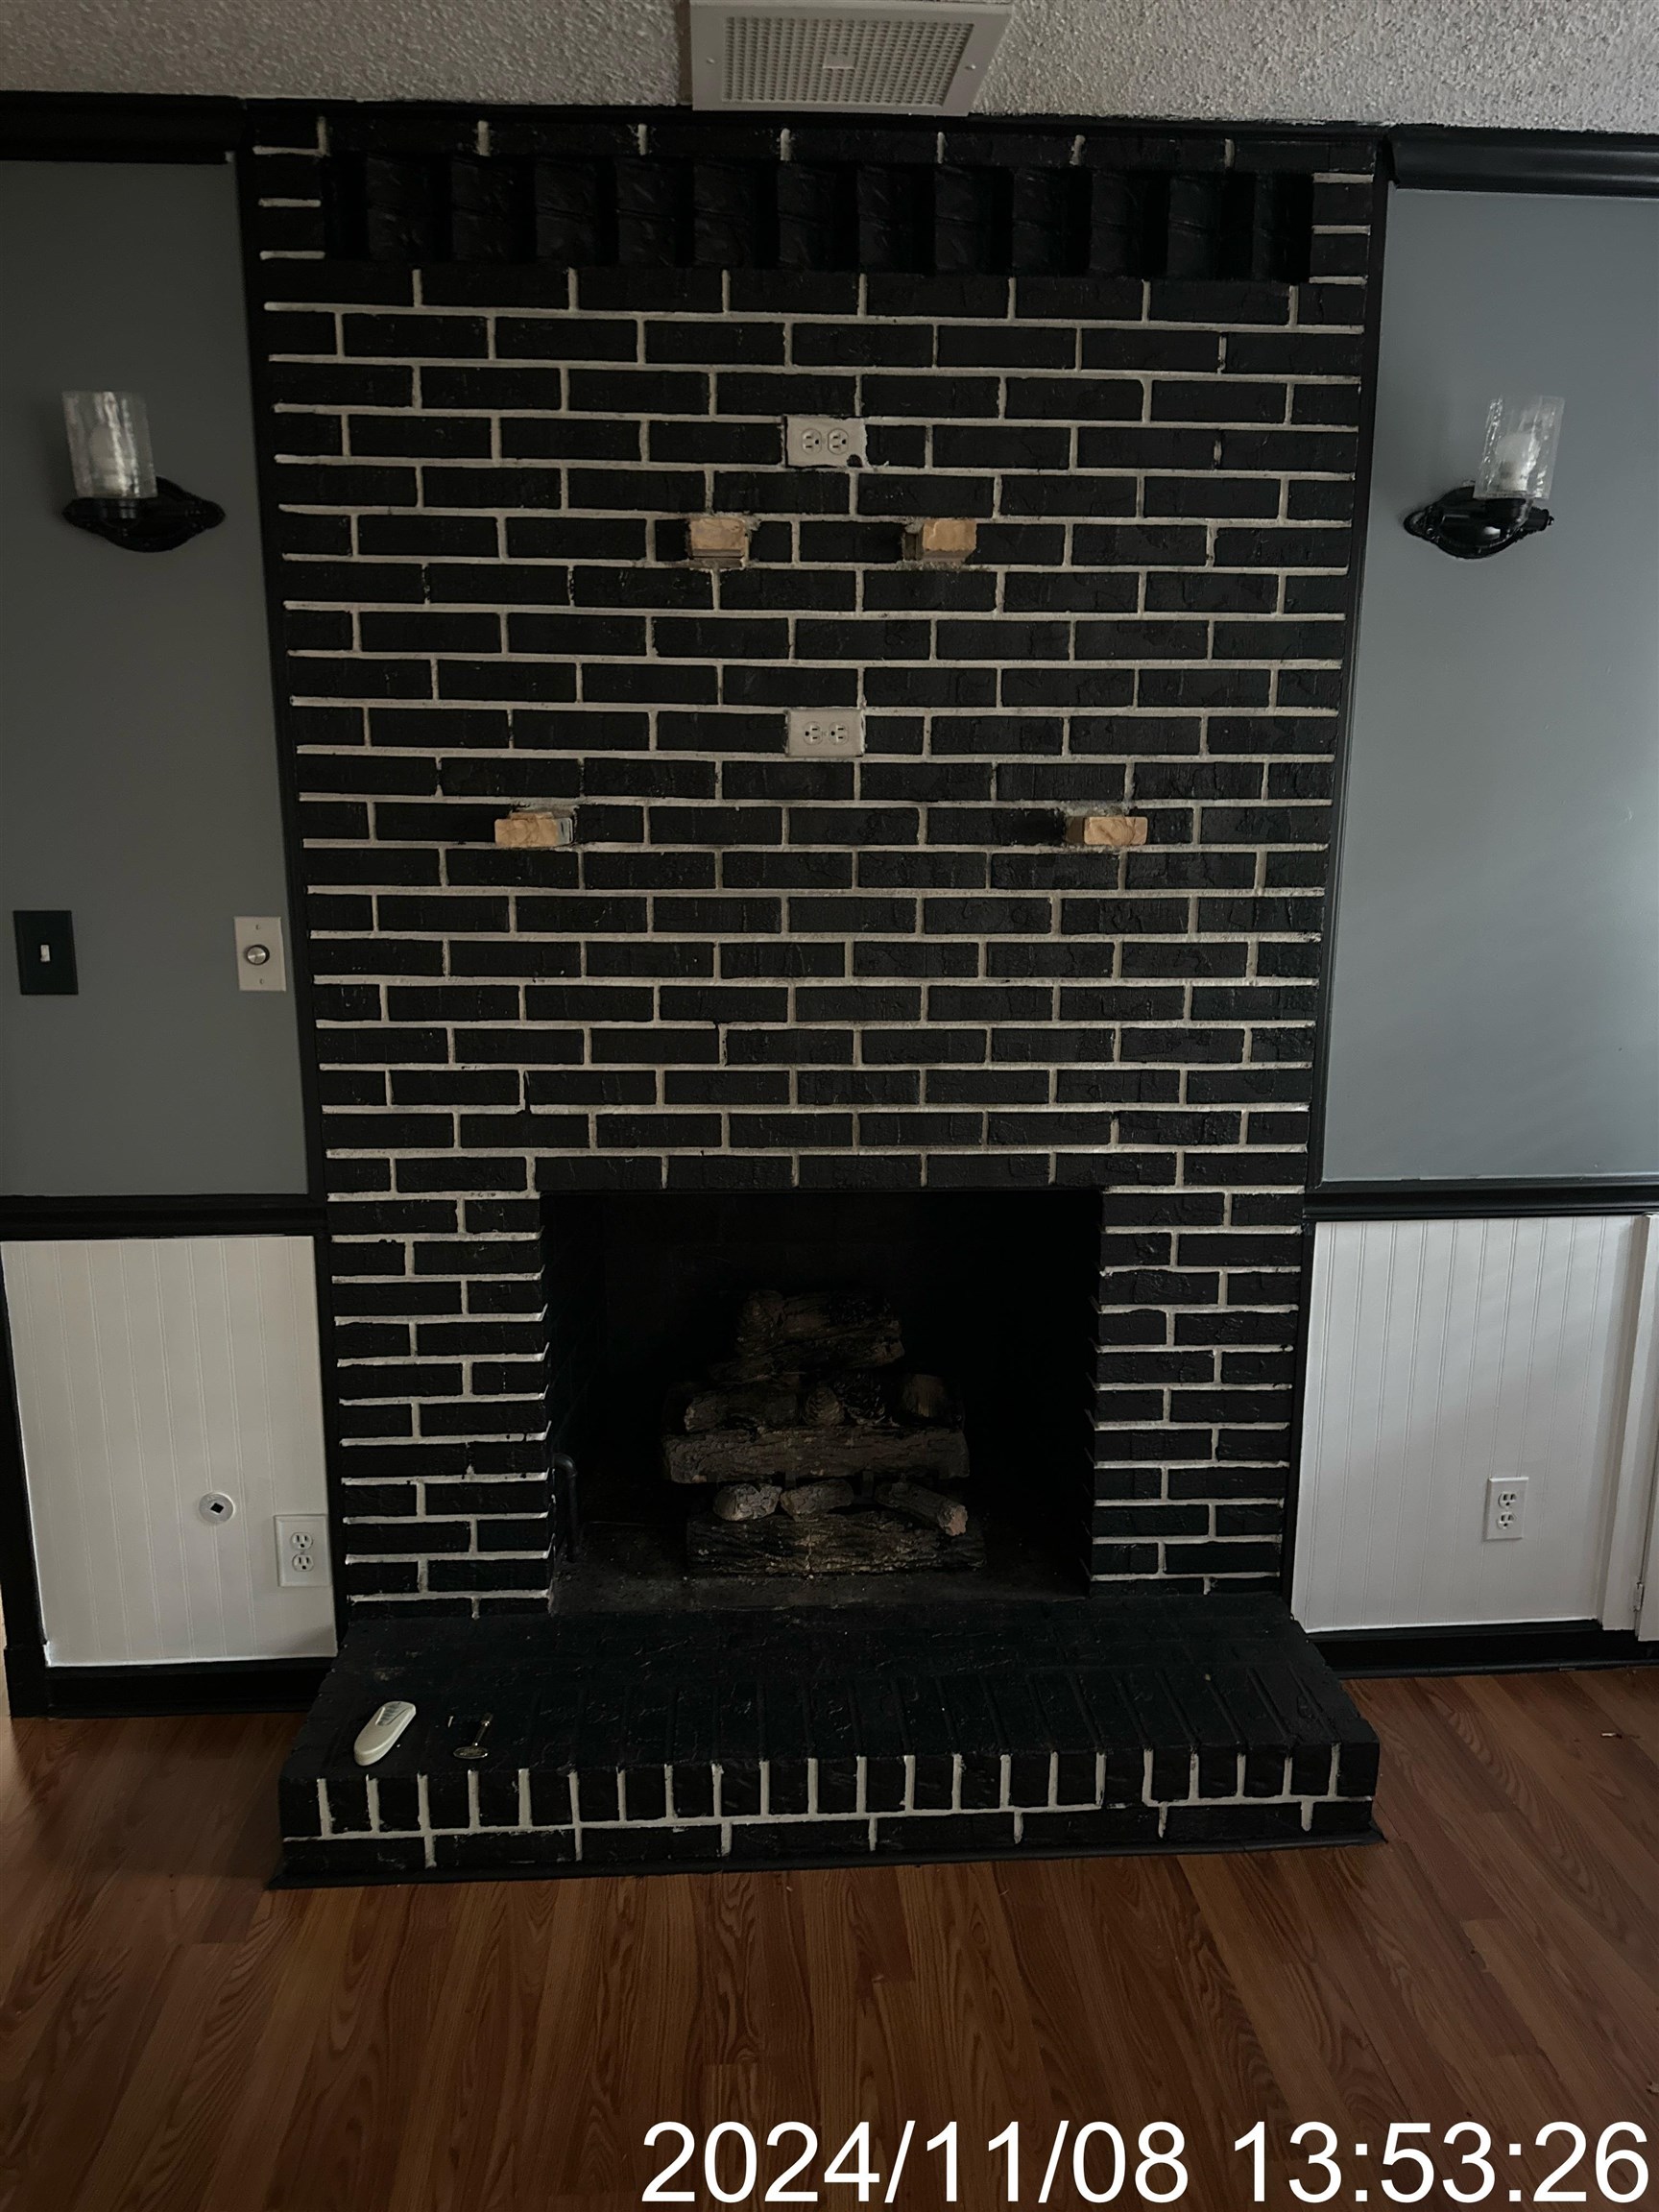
503	358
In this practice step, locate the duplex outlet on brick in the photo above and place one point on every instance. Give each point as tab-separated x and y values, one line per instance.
758	973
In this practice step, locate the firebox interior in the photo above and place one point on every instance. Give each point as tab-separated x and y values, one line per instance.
994	1293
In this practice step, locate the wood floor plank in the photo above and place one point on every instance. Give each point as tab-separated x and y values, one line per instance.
173	2037
460	2144
859	1955
961	2028
1314	2021
1177	2042
1566	1881
1578	1844
1622	1694
278	2033
168	2153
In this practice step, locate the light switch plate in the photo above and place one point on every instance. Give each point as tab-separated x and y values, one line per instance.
261	964
823	441
824	734
45	952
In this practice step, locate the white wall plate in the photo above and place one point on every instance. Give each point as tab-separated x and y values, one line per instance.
823	441
824	734
261	964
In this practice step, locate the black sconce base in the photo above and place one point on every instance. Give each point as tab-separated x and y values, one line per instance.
172	519
1472	529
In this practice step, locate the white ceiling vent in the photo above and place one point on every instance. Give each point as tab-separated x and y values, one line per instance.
927	57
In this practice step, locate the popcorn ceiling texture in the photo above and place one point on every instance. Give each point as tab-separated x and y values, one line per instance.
1511	63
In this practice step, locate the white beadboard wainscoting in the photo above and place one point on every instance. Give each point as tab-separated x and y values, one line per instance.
1443	1352
150	1373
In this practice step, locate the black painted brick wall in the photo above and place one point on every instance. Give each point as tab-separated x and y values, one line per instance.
754	973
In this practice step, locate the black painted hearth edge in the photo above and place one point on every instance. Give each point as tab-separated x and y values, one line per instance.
807	1864
805	1736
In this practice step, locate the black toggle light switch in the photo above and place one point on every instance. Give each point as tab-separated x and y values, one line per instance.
45	952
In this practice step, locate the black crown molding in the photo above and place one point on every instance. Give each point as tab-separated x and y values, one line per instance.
118	127
584	188
1430	158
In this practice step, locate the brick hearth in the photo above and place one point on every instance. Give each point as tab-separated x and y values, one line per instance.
803	1737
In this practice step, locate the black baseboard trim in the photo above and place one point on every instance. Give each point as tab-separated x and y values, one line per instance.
1522	1647
126	1693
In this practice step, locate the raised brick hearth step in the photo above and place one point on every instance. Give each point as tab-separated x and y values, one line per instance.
810	1735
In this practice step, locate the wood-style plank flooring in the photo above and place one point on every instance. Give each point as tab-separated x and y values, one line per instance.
173	2036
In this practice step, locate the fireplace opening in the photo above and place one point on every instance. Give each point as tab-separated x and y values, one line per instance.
836	1397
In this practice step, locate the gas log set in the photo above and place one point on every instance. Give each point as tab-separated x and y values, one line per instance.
825	1453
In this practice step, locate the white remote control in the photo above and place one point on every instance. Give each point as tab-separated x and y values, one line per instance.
381	1730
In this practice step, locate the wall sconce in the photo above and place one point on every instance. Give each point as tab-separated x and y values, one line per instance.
1505	502
118	494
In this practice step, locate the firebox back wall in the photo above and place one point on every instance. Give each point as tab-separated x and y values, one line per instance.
754	973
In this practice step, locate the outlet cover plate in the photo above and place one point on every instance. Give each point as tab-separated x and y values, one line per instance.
824	734
302	1551
1505	1508
823	441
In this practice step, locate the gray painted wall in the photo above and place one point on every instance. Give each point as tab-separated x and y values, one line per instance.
137	759
1494	1001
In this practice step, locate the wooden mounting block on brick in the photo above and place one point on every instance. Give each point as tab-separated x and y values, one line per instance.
1106	829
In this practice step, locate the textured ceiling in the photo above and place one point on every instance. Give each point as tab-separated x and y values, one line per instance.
1593	64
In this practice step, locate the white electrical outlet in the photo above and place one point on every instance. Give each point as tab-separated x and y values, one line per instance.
302	1550
261	965
824	733
822	442
1505	1508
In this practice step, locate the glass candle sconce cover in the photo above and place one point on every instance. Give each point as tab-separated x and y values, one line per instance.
110	445
1518	459
1505	502
118	495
